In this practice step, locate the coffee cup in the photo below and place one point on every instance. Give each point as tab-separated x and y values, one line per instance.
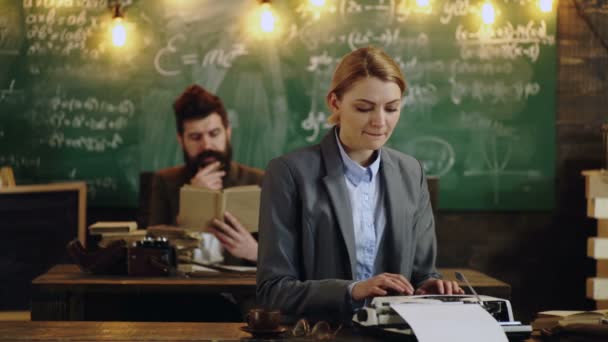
262	319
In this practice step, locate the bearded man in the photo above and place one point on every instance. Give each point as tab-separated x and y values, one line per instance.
203	132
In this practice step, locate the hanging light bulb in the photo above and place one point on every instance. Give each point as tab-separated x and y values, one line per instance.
423	3
488	15
545	5
317	3
267	19
119	32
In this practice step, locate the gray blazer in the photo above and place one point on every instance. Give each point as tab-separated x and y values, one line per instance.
306	254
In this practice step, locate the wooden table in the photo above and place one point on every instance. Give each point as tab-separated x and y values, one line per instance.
65	293
145	331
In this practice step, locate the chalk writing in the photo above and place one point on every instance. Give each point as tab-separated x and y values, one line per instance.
460	67
496	159
61	120
314	122
90	144
11	95
55	33
98	185
385	38
509	41
409	8
20	161
216	57
455	8
416	68
478	121
496	91
421	95
322	60
435	153
91	105
52	4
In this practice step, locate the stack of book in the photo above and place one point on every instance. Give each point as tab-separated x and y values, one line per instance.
551	319
116	230
180	238
596	191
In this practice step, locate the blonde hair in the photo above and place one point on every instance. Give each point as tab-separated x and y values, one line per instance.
363	63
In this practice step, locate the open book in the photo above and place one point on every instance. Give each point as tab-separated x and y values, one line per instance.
551	319
199	206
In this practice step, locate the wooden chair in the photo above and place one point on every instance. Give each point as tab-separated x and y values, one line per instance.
7	177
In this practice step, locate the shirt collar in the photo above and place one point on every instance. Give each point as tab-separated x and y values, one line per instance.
354	172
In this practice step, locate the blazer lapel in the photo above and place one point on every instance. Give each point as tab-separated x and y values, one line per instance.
338	194
395	216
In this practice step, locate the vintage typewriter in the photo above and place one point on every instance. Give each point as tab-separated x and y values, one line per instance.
379	318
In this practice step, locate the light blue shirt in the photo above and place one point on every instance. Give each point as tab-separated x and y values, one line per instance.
368	212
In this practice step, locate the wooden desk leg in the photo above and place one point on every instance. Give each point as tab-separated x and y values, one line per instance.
56	306
49	306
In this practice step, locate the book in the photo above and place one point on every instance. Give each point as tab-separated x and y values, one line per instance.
602	228
596	183
554	318
597	207
597	248
129	237
103	227
601	267
199	206
597	288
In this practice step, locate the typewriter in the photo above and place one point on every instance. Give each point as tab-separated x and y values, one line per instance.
379	318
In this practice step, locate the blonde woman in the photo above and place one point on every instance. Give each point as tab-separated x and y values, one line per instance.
348	219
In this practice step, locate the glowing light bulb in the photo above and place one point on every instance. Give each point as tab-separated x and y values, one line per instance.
545	5
487	13
423	3
267	19
318	3
119	33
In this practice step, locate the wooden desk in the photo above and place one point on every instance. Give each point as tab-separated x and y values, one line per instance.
145	331
65	293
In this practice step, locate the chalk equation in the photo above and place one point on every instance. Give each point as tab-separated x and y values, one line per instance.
63	28
492	91
508	42
170	59
20	161
58	140
91	105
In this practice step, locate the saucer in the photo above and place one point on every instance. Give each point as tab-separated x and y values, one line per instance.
264	333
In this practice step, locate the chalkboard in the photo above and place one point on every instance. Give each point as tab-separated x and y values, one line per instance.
480	110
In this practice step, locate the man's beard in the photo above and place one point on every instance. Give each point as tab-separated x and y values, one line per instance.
205	158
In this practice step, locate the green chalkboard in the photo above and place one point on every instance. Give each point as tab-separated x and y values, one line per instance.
480	110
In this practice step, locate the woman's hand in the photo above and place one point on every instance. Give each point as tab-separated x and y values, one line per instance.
235	238
380	285
439	286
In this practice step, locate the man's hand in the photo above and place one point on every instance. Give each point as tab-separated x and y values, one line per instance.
380	285
209	177
439	286
235	238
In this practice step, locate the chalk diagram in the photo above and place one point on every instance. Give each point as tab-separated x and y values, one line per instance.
436	154
496	156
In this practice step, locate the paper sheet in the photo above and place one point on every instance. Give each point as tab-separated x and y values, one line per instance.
454	322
